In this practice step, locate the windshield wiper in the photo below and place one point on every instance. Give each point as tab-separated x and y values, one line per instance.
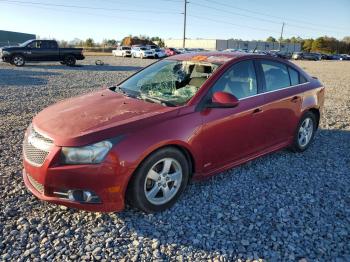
156	100
124	91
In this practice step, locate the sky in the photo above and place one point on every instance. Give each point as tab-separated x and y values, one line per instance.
213	19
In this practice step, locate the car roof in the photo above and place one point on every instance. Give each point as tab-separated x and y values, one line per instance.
211	57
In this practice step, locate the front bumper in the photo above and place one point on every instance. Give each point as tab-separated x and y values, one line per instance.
102	179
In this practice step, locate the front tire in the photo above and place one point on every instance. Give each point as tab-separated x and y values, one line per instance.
159	181
305	132
18	60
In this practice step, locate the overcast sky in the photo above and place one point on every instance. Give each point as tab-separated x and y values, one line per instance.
222	19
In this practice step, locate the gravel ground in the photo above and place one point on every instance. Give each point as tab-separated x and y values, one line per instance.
282	207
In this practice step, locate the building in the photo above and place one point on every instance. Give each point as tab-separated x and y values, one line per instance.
14	38
219	45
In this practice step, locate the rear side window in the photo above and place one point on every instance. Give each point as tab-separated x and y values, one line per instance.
294	76
302	79
276	75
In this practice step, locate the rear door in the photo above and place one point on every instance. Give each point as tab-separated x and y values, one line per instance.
49	51
282	103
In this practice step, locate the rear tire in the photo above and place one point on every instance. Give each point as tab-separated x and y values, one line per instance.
159	180
69	60
305	132
18	60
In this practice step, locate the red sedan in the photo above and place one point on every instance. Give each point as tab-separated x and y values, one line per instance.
171	51
185	117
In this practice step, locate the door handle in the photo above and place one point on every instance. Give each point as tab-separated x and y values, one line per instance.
295	99
257	110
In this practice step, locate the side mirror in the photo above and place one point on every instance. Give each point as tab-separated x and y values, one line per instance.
223	100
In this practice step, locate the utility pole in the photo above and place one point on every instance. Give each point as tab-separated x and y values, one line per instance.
185	13
281	36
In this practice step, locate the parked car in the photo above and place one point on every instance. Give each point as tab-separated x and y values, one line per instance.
345	56
171	51
185	50
122	51
339	57
40	51
280	54
152	47
306	56
230	50
297	55
141	52
159	53
184	117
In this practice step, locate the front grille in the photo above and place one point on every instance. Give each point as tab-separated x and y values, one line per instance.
39	187
36	147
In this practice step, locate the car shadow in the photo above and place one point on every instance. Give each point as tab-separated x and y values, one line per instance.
11	77
80	67
260	205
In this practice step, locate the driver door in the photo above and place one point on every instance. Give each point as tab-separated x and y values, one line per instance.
229	132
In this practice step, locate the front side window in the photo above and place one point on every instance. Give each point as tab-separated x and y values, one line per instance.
34	44
276	75
239	80
169	82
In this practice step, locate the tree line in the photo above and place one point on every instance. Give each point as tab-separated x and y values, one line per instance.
324	44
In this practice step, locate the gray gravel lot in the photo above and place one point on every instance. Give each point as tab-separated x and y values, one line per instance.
282	207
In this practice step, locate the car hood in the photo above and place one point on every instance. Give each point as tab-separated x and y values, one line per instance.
97	116
10	48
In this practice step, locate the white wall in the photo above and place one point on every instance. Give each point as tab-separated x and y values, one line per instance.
217	44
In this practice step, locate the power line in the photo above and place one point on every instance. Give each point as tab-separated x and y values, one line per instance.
270	15
238	14
238	25
85	13
90	7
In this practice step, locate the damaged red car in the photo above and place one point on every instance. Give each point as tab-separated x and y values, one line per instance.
185	117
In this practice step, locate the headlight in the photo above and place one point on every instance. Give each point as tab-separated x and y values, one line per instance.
91	154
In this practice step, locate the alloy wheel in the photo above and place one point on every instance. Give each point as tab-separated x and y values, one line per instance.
305	132
163	181
18	60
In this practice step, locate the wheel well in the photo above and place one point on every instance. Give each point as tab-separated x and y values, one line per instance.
183	150
316	113
188	156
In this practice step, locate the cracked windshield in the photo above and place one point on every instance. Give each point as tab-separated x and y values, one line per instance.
169	82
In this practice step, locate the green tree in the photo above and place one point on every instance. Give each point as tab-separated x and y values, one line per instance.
89	42
63	43
271	39
307	45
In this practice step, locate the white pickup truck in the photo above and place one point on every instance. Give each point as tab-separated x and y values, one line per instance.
122	51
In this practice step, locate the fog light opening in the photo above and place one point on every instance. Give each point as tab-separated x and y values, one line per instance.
81	196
